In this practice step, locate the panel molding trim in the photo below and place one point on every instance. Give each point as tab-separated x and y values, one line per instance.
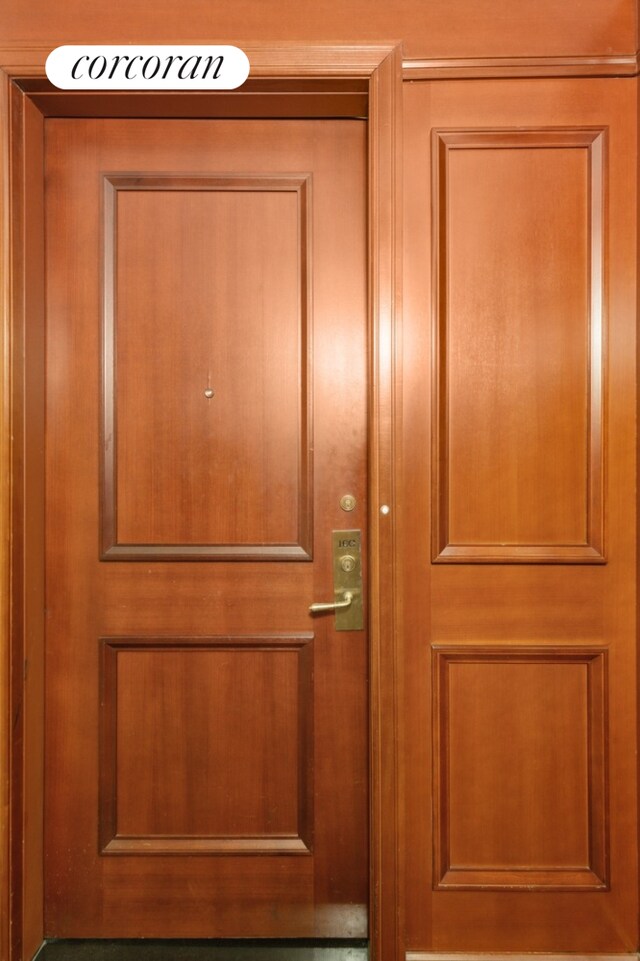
592	875
588	546
113	841
111	546
488	68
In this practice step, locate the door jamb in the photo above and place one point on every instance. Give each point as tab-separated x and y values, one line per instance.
21	483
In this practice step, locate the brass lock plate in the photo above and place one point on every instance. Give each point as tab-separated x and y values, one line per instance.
347	576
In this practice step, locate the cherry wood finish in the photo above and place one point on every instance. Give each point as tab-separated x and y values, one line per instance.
23	806
520	344
483	607
519	760
488	68
380	69
226	390
251	863
480	691
440	28
272	97
209	684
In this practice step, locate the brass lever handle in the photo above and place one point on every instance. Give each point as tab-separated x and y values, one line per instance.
336	606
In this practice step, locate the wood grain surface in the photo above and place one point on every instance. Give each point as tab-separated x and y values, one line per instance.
444	28
286	726
511	804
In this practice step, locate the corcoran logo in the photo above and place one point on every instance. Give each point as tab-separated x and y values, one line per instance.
147	67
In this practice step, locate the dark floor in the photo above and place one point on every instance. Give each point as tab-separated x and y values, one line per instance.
148	950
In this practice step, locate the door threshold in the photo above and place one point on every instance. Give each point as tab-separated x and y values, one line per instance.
148	949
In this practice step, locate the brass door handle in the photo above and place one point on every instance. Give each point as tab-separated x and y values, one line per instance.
336	606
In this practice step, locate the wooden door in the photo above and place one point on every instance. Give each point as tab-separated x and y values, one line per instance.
206	738
519	517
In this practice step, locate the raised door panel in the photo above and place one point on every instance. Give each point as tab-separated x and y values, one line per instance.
207	412
519	297
520	768
207	745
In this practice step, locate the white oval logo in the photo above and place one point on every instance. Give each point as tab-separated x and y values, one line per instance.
146	67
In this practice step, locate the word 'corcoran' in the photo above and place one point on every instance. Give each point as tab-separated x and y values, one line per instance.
131	68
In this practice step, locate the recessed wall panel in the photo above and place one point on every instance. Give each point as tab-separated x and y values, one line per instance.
206	403
519	315
206	745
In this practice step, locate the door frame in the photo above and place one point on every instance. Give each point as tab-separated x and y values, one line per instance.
288	79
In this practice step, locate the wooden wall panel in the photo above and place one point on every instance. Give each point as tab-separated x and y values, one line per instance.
440	28
519	297
206	425
207	745
520	773
484	606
